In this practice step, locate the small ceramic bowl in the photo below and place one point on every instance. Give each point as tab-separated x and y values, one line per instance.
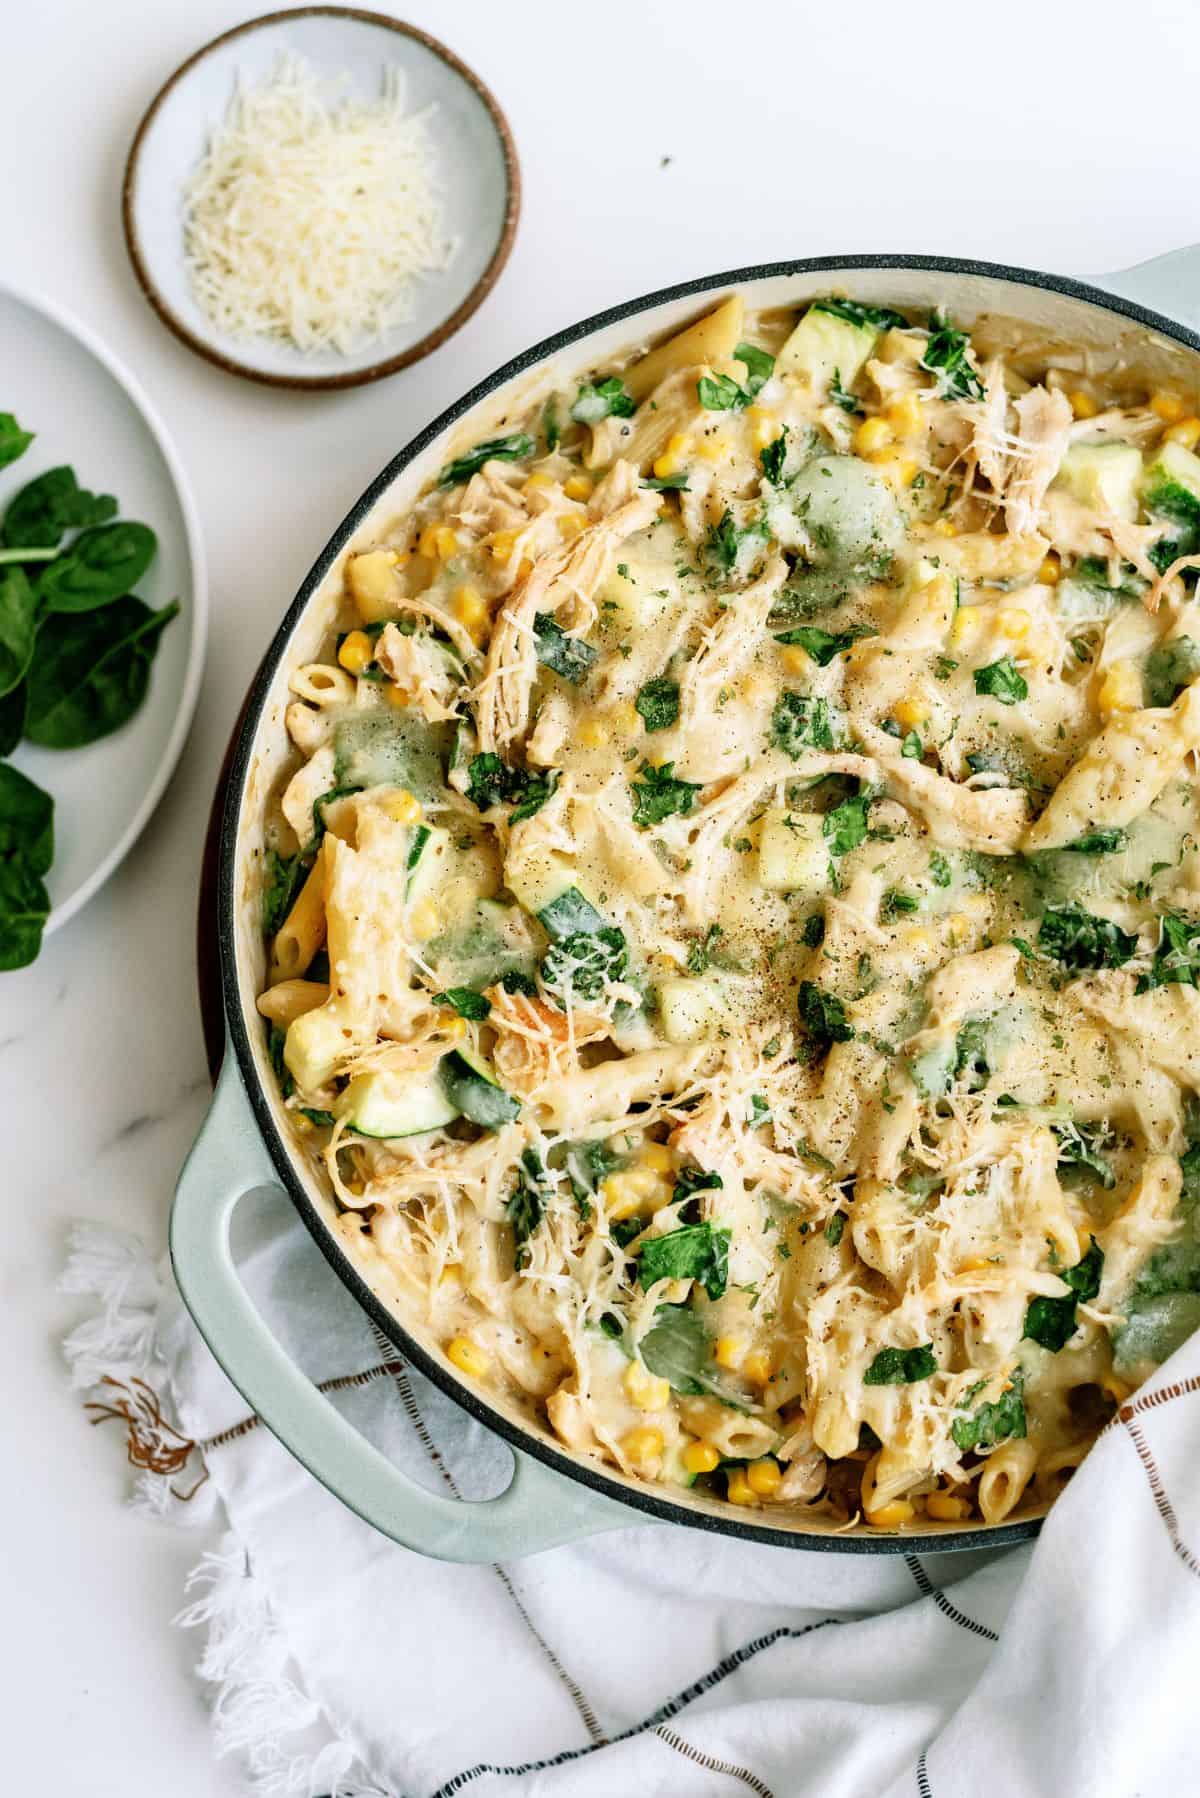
474	153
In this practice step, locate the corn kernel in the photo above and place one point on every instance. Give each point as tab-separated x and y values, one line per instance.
906	415
626	719
468	1357
1013	624
644	1448
891	1516
764	1477
901	470
648	1391
912	712
960	927
1121	689
455	1029
356	652
438	542
656	1155
501	545
539	483
1050	571
423	919
765	425
965	620
757	1367
1186	432
712	446
591	733
643	1181
919	938
701	1457
1167	406
579	486
871	435
946	1508
795	660
944	527
728	1352
570	524
1082	404
738	1489
452	1273
402	807
672	459
470	608
620	1199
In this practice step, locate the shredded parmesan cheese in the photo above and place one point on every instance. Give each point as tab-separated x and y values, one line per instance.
311	221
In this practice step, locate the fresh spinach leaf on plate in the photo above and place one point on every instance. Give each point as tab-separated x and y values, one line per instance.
52	504
13	440
91	672
18	627
26	851
101	565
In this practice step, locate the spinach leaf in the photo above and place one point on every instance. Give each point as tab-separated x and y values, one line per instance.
725	541
12	719
940	871
771	458
658	795
526	1204
998	1421
18	627
1081	941
835	1229
1051	1322
693	1252
284	876
705	952
845	827
91	672
758	364
13	440
569	656
721	393
100	566
54	503
492	782
840	397
24	908
1177	958
666	483
551	423
465	1001
678	1348
496	449
823	645
877	318
901	1367
588	1164
26	820
1002	680
513	981
801	722
605	399
580	966
822	1018
691	1180
1079	1148
658	702
946	357
1098	842
1170	668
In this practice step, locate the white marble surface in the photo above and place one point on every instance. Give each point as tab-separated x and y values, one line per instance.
791	130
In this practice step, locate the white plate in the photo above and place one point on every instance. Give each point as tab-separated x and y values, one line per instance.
89	411
475	159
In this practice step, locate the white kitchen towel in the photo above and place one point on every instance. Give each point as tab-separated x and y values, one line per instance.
657	1661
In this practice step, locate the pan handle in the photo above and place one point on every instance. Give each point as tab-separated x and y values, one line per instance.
539	1509
1169	284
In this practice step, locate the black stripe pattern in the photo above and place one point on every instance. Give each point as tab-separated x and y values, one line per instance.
927	1589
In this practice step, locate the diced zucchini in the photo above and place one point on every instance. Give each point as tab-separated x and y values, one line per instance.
1154	1329
570	914
464	747
492	940
822	346
428	860
1172	486
849	512
315	1044
471	1086
386	748
1103	476
389	1104
536	876
793	856
690	1009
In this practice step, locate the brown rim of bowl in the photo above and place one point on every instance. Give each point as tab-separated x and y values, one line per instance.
377	370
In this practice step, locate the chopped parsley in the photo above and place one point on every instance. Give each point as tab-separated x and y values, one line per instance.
835	1229
721	393
840	397
465	1001
997	1421
723	545
1002	680
845	827
580	966
939	869
946	357
823	645
875	318
526	1204
704	952
496	449
666	483
1177	958
693	1252
492	782
1098	842
822	1018
569	656
801	722
658	702
771	458
658	795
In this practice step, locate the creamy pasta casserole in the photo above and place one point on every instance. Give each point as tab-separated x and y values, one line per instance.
734	912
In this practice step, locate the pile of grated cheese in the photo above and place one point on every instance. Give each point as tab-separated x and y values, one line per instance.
310	221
